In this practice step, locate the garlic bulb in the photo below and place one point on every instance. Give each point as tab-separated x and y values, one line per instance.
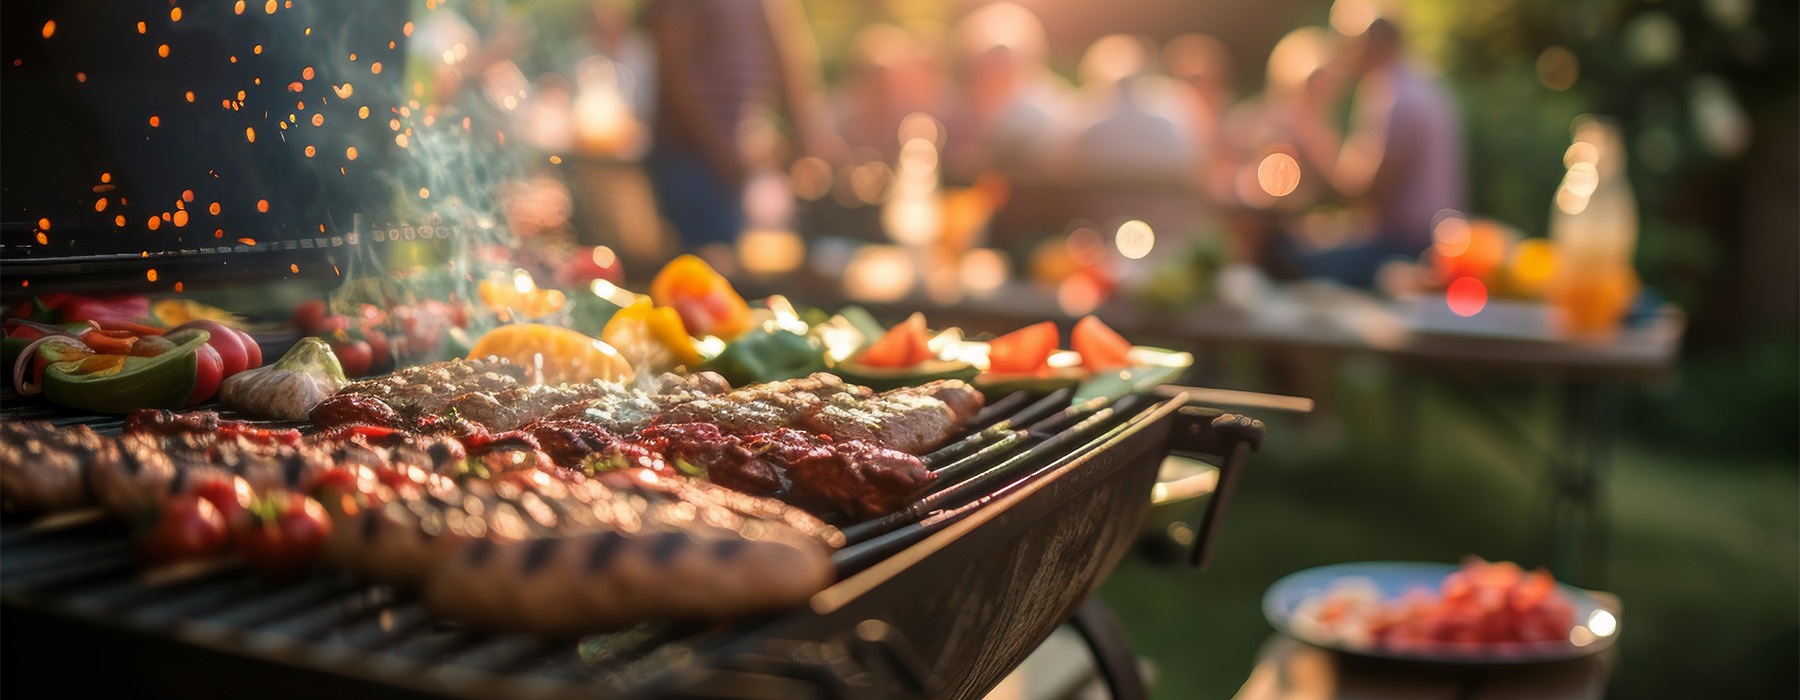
290	388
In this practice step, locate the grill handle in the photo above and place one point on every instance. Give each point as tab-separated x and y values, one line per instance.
1226	439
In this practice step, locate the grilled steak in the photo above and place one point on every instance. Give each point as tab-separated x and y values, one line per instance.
515	407
428	388
912	420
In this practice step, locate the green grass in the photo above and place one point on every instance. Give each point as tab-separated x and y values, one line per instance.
1704	553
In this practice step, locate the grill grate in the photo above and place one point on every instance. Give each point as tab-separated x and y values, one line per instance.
84	567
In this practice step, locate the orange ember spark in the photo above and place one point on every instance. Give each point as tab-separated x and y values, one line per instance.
250	133
406	29
318	120
556	160
174	14
155	121
345	91
151	275
390	46
190	95
309	151
296	86
213	209
218	233
375	68
353	58
247	241
240	96
178	286
350	153
300	105
106	177
401	140
181	219
283	126
257	81
262	205
466	123
363	113
50	28
154	223
43	239
269	7
405	111
187	196
24	283
119	220
424	193
100	204
80	77
142	28
394	124
165	216
294	268
180	205
162	51
239	7
234	59
44	223
306	73
257	49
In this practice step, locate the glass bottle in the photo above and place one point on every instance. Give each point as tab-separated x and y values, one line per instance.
1594	229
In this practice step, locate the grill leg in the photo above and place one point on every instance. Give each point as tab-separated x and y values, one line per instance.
1112	651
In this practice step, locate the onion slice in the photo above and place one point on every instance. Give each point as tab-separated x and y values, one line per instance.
22	366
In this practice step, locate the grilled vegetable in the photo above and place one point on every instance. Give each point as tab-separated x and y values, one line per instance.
762	355
290	388
189	528
645	332
1100	346
705	299
283	533
158	372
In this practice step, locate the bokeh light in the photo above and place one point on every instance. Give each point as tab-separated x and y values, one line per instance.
1134	239
1466	296
1278	174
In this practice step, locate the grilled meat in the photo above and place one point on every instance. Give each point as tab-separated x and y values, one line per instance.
426	389
343	409
851	478
912	420
44	468
518	406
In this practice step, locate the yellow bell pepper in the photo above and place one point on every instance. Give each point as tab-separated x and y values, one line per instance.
643	329
705	299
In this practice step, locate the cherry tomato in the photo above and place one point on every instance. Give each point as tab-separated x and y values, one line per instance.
209	370
252	350
1100	346
1023	351
370	316
381	355
309	317
285	534
902	346
189	528
229	494
227	342
338	478
355	355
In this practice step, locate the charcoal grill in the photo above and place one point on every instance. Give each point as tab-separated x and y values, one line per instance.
1037	503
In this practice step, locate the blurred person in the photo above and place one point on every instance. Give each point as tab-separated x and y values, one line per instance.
1136	153
891	74
1206	66
1299	82
1402	160
717	62
1010	108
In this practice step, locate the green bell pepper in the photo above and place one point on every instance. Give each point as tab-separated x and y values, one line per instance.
762	355
122	383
